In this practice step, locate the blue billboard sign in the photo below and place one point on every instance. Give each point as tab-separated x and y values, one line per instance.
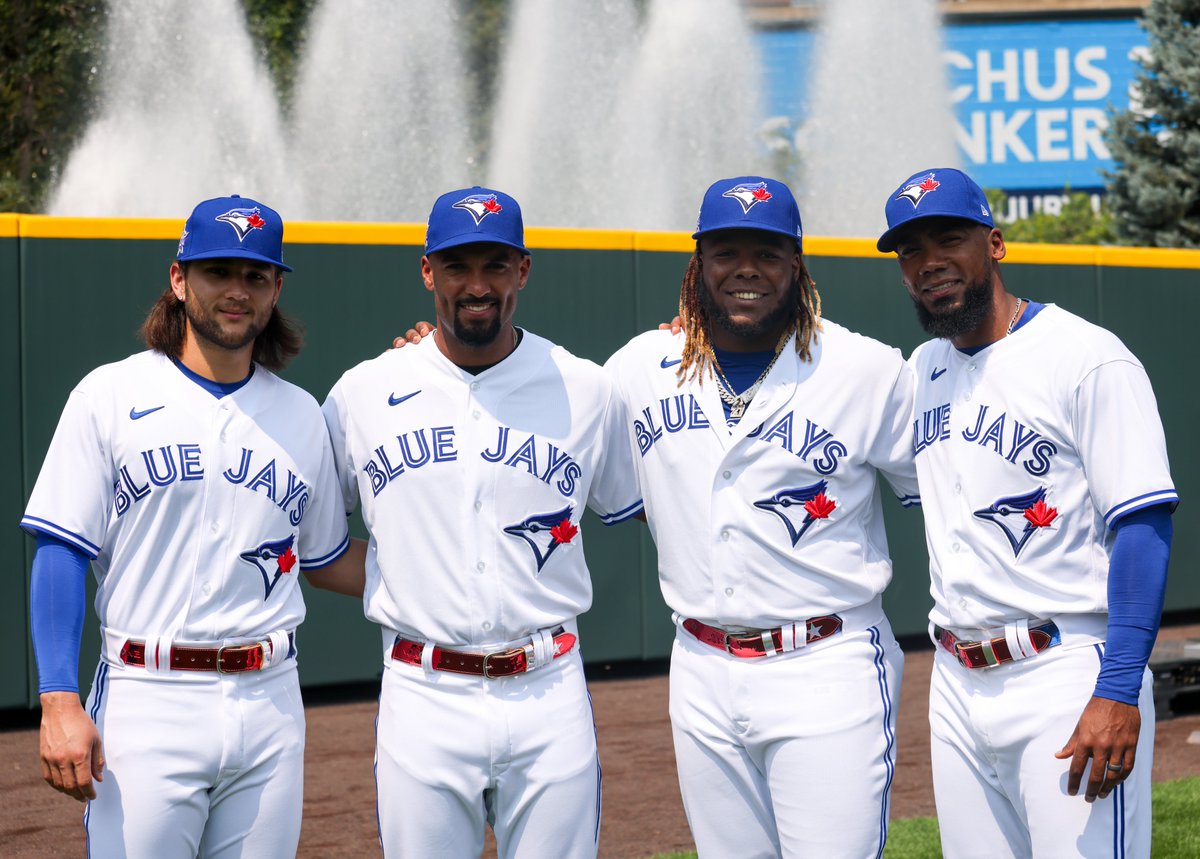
1031	99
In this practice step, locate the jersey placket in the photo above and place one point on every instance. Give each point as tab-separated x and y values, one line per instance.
218	513
478	492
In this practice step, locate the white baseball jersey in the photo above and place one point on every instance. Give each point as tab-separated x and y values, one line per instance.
1027	452
473	486
198	512
783	518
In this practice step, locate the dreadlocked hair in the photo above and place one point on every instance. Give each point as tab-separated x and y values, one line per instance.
697	347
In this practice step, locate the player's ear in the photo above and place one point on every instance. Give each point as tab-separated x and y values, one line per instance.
523	270
996	244
427	273
178	280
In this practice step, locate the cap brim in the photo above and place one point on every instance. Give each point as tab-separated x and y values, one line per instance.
473	239
887	242
758	228
231	253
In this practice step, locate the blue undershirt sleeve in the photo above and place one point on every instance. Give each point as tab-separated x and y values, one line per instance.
1137	582
57	594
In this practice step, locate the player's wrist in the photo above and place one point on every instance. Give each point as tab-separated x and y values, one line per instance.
60	700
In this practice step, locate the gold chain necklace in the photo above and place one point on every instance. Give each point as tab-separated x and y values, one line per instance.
738	402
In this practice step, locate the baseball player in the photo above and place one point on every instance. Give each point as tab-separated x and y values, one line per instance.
759	436
473	455
1047	497
199	485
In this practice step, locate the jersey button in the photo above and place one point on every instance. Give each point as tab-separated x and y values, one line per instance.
478	505
475	414
956	547
481	566
728	592
487	624
724	535
206	588
958	489
971	368
215	526
727	474
474	386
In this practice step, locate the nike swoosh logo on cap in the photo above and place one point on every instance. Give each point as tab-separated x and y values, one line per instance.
134	414
665	363
393	400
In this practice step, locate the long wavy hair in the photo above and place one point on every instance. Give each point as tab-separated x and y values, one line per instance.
697	348
165	329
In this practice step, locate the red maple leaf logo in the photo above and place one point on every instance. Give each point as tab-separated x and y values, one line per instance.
287	560
820	507
564	531
492	206
1039	515
255	220
929	184
762	194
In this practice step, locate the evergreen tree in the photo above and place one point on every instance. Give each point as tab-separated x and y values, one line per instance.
1154	192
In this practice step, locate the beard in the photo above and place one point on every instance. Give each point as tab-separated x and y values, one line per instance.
209	328
481	333
975	309
779	316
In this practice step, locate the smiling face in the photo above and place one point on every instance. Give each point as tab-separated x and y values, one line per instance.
475	290
949	267
228	302
750	287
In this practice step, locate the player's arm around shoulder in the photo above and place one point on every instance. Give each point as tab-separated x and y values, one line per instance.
69	743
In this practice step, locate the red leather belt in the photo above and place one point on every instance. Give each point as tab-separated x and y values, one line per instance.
499	663
230	659
995	651
749	645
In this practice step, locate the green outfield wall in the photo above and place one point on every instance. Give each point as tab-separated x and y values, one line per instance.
77	289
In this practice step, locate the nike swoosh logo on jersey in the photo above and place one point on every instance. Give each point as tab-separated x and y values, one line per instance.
665	363
135	415
393	400
936	374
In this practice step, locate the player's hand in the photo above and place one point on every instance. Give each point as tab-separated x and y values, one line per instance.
674	326
1107	733
414	334
72	754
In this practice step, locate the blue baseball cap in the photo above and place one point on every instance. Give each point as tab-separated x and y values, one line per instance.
942	192
233	227
475	215
750	203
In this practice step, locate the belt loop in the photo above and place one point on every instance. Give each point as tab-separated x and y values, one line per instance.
427	657
158	654
543	649
1016	635
769	643
276	647
787	638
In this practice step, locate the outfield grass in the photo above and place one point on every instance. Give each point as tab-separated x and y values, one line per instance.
1176	834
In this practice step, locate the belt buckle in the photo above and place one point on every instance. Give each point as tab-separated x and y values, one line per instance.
501	654
252	663
727	641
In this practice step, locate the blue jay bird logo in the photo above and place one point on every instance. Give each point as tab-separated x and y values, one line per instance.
749	194
810	500
557	526
1019	516
479	206
272	559
915	191
243	221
